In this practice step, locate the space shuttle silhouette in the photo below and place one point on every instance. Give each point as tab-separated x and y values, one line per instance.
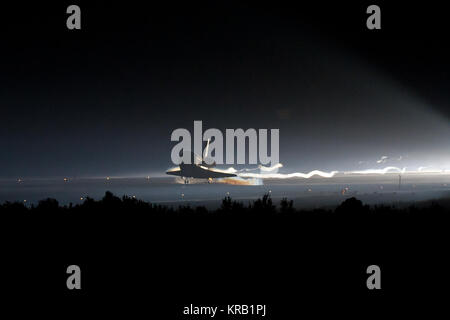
199	169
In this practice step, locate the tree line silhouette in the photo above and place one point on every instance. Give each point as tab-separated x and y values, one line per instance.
234	244
111	204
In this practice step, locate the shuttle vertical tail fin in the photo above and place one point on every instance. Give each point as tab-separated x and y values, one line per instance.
205	153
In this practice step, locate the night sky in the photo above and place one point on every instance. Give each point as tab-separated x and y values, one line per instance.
104	100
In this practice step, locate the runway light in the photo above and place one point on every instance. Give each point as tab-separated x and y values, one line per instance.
107	178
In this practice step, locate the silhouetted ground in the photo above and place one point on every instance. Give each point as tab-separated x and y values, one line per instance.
133	252
112	205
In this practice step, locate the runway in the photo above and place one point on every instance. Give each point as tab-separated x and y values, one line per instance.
315	192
